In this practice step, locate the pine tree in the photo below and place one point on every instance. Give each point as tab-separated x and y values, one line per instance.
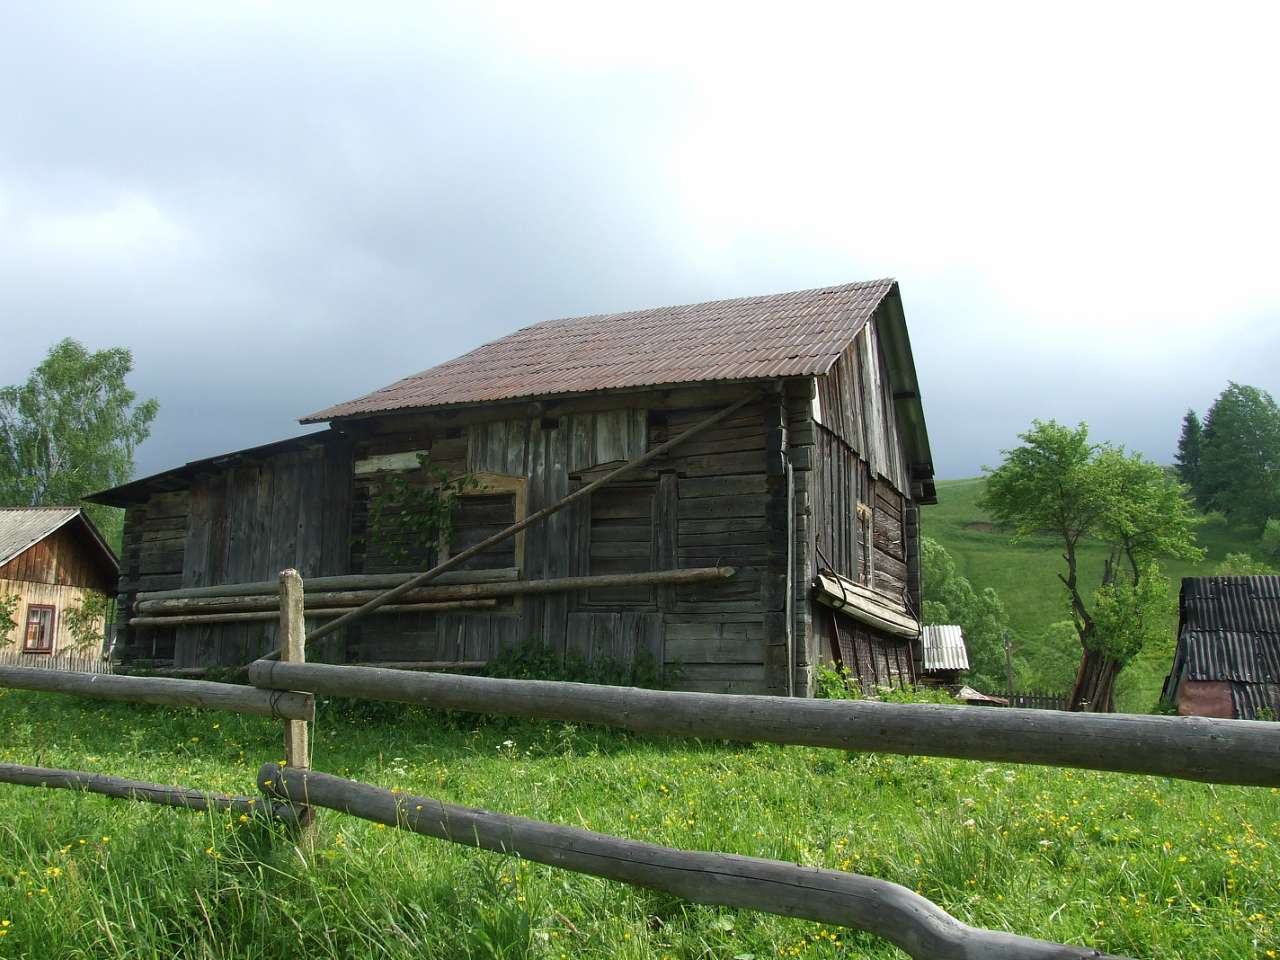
1188	458
1240	456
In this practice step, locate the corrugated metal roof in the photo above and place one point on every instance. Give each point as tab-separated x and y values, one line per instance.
1249	700
783	335
20	527
1230	630
943	648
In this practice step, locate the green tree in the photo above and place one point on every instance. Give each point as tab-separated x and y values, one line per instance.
981	616
1243	565
1271	537
1058	482
71	429
1240	456
1187	458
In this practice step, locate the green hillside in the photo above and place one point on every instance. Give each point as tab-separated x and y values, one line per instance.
1026	577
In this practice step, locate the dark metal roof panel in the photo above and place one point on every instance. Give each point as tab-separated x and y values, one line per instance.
1230	628
783	335
1255	701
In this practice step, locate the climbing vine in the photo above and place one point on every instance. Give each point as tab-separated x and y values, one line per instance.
410	515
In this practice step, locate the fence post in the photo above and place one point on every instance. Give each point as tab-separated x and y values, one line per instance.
293	650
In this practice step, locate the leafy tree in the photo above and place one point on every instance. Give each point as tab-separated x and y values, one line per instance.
1188	456
71	429
1058	482
951	598
1271	537
1050	661
1243	565
1240	456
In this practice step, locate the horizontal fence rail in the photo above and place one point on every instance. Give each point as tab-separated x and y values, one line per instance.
1189	748
921	928
166	795
170	691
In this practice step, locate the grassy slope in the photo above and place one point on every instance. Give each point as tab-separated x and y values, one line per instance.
1025	576
1135	865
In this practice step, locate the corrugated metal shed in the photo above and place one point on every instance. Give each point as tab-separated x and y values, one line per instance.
782	335
1229	630
943	648
21	527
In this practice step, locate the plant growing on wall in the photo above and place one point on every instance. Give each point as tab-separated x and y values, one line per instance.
87	622
8	615
410	515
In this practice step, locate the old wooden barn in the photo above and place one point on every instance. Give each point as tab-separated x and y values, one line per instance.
809	493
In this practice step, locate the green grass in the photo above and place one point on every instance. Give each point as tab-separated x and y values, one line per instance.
1139	866
1025	575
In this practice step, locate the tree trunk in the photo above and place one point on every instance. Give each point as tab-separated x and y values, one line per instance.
1094	689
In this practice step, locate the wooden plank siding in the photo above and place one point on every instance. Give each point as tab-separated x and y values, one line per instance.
772	491
864	525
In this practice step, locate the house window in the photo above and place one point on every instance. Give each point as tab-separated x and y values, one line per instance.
41	620
495	503
621	541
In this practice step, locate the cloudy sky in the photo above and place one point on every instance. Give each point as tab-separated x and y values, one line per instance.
278	207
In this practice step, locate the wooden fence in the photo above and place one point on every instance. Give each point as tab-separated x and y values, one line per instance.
1215	751
1038	700
69	662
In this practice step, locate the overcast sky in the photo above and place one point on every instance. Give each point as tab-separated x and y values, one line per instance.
278	207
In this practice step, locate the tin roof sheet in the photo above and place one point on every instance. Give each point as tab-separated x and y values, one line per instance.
943	648
1230	629
782	335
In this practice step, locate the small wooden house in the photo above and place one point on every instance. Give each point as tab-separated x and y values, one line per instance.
809	492
50	559
1227	660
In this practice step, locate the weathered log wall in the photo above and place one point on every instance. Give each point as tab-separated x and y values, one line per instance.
864	524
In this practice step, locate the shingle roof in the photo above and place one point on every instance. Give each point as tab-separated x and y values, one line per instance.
783	335
20	527
942	648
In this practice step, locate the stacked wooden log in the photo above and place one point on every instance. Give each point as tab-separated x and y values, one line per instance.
329	597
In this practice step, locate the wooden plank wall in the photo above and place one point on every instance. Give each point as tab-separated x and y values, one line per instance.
251	521
61	596
153	545
858	459
66	558
703	506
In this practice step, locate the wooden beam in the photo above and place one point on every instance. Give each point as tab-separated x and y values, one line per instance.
170	691
466	591
355	581
888	910
395	593
163	794
1189	748
263	616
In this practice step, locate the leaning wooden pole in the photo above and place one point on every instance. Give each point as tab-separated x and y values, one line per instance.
921	928
396	592
1190	748
169	691
164	794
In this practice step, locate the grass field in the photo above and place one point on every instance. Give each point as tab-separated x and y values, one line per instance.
1025	576
1139	866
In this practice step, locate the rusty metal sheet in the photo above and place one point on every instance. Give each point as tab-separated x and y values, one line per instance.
783	335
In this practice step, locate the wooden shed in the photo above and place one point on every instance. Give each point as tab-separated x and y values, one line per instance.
809	492
50	558
1227	659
